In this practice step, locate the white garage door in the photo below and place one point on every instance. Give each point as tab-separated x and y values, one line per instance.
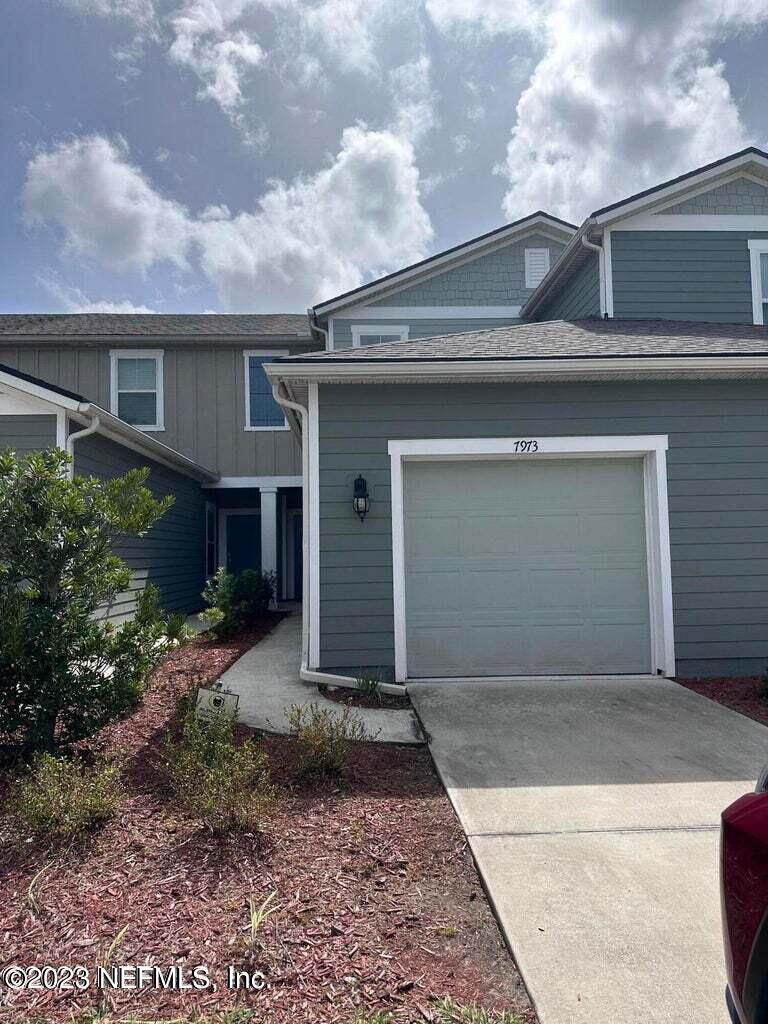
525	567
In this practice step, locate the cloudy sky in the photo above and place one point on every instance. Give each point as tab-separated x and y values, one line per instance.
260	155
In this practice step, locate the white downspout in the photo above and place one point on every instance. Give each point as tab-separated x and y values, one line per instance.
303	412
601	256
316	326
92	427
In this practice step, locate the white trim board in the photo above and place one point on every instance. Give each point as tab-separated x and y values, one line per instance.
652	448
693	222
313	487
757	248
429	313
374	329
255	481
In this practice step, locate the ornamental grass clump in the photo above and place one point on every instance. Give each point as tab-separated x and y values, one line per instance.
325	737
61	798
223	784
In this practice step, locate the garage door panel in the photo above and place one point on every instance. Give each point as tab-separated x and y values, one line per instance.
525	567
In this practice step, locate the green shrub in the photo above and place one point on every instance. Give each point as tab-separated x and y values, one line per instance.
325	736
369	683
64	673
225	785
236	601
61	798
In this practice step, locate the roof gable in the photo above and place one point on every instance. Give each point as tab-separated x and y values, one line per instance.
375	291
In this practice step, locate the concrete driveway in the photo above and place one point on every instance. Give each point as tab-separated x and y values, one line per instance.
592	808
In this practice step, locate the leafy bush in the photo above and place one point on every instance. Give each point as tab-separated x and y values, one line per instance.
63	673
61	798
224	785
236	601
325	736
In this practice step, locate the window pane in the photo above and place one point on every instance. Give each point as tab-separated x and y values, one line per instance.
264	410
137	407
136	374
378	339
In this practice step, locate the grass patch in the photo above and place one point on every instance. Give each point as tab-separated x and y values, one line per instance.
449	1012
325	737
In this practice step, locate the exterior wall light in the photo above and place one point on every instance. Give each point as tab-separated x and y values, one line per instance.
361	502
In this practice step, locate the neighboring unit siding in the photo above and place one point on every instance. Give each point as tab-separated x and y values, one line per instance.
682	275
718	499
342	329
27	433
743	197
578	298
204	401
171	554
495	279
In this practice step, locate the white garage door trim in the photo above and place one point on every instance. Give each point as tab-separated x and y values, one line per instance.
652	448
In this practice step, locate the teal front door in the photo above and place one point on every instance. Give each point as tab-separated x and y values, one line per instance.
243	541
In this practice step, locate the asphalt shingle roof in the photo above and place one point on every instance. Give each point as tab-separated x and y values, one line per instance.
140	325
559	339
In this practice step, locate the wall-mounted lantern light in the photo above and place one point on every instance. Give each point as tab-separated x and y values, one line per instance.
360	500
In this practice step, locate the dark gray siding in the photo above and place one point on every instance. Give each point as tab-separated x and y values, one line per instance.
171	554
682	275
718	495
578	298
27	433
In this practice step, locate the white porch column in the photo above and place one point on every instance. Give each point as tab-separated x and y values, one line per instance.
268	529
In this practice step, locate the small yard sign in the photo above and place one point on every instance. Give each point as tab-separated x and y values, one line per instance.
213	703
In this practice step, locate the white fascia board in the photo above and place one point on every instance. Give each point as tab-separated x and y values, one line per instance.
431	312
229	482
681	189
693	222
494	447
372	371
463	254
25	387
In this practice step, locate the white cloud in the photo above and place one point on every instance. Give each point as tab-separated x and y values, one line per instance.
105	206
142	12
487	17
413	99
319	235
73	300
625	95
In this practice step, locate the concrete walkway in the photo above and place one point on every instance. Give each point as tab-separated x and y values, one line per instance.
266	678
592	808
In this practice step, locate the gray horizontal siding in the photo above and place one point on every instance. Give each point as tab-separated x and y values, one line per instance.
171	555
578	298
342	329
495	279
682	275
718	499
204	400
25	434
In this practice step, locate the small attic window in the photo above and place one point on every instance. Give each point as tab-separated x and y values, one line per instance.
758	258
536	266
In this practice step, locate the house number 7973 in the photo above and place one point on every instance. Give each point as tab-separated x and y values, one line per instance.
523	447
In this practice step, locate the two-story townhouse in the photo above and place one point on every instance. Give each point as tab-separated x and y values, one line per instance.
186	395
585	491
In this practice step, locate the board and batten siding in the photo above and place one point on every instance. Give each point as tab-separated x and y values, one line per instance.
417	327
718	500
682	275
578	298
171	554
25	434
204	400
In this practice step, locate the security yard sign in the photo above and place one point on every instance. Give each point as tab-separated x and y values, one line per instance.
212	704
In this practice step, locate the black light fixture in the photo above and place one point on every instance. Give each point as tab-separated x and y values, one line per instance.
360	500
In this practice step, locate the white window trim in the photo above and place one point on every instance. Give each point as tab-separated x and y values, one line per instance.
139	353
757	247
548	258
652	448
246	357
358	329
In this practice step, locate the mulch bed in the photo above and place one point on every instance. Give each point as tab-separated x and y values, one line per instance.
358	699
741	694
380	906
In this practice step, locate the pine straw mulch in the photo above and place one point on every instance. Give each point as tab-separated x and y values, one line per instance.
379	903
741	694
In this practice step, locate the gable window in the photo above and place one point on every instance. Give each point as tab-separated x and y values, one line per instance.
261	410
758	259
137	387
536	266
376	334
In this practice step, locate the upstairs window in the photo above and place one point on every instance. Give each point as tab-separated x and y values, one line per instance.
137	387
376	334
536	266
261	410
758	258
